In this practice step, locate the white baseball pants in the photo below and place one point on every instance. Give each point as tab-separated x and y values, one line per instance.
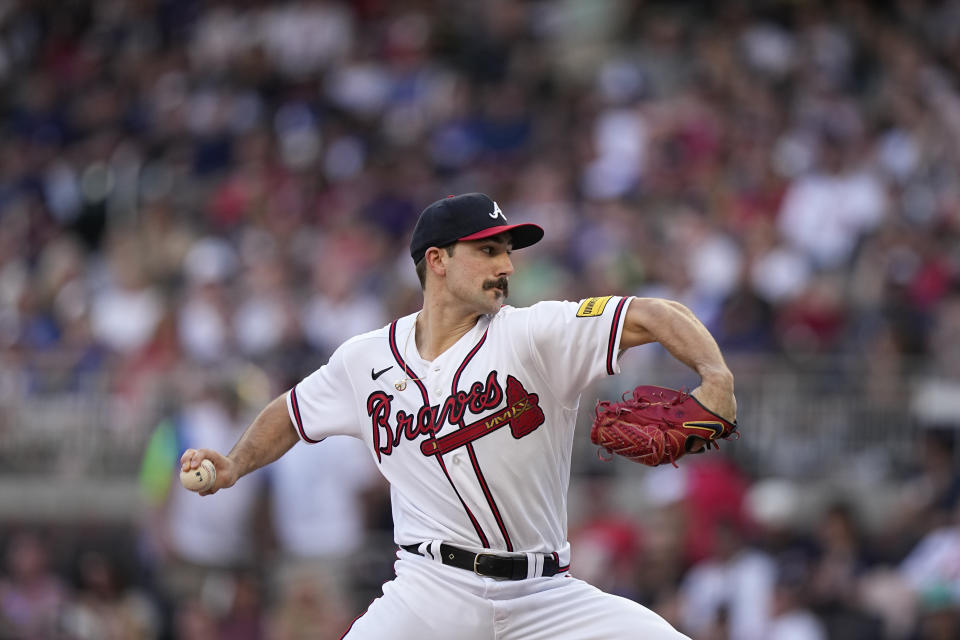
431	601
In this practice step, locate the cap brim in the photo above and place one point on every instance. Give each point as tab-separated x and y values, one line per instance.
521	235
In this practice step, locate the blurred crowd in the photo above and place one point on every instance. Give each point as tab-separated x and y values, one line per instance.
188	188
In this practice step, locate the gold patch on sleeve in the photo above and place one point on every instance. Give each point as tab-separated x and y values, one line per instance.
592	307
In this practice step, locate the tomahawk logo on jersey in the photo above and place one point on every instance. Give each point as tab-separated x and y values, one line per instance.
488	422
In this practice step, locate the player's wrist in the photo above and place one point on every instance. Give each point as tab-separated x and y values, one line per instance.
717	378
233	470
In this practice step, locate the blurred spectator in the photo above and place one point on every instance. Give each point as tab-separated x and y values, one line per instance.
32	596
193	621
932	568
262	322
791	619
307	610
939	618
205	313
607	542
928	496
842	561
745	323
103	608
713	501
731	589
127	311
244	618
319	497
338	309
825	213
660	568
814	320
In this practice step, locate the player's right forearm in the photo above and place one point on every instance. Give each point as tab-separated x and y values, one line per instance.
269	436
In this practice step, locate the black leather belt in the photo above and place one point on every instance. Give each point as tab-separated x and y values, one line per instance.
489	564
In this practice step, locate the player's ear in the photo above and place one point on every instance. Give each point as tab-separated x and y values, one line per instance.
436	260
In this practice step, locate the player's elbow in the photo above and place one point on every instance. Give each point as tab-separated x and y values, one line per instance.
678	307
644	316
650	313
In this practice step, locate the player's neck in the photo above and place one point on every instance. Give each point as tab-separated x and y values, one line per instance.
439	327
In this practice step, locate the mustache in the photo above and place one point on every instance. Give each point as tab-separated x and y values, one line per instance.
499	283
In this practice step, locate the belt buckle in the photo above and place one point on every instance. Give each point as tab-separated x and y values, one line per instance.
476	559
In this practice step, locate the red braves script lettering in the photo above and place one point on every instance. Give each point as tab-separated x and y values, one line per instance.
428	420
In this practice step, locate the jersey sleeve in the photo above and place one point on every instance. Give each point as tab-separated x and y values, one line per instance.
321	404
577	343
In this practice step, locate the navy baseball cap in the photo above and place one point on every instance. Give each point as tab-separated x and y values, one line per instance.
470	216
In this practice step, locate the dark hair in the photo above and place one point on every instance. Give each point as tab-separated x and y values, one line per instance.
421	265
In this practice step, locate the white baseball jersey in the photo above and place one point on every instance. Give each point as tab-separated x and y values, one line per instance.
477	443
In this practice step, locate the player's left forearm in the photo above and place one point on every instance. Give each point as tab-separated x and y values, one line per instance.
269	436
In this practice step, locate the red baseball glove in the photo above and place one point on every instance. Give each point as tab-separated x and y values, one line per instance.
656	425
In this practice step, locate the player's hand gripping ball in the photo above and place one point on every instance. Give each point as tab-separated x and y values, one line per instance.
656	425
200	479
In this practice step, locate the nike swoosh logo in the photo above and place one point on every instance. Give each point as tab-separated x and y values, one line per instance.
377	374
716	428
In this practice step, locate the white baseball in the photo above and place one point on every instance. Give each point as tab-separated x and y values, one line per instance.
201	478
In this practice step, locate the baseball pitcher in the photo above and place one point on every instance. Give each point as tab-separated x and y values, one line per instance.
468	408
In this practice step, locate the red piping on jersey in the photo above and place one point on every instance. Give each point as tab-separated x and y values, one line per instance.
473	456
613	335
426	402
298	419
489	496
463	365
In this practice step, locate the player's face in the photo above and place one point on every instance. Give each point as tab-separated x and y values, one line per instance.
478	272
